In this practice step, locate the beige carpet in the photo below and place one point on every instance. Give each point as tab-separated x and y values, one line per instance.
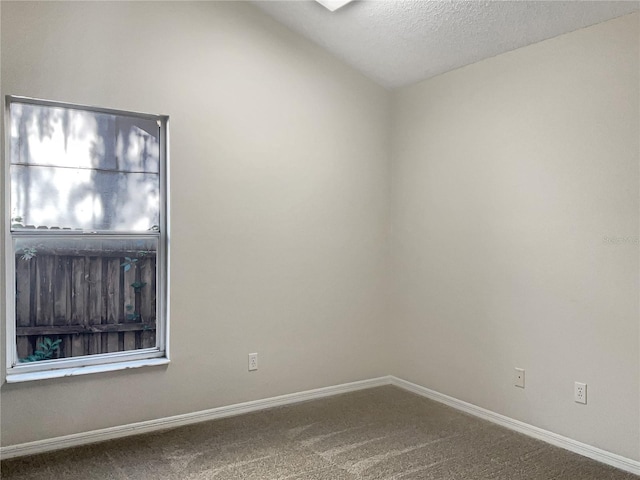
381	433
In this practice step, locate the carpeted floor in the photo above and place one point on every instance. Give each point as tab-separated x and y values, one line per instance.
383	434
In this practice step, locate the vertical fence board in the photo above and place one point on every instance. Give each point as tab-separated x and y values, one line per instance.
96	297
129	340
79	291
154	289
148	292
78	345
62	290
68	343
114	302
37	343
23	292
149	300
44	289
129	295
148	338
94	343
24	347
112	342
65	347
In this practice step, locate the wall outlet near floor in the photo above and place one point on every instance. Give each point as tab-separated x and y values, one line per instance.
518	377
253	361
580	392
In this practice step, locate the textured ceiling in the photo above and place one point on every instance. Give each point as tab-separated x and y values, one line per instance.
399	42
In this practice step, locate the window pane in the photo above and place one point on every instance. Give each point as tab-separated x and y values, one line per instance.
60	136
84	296
84	198
79	169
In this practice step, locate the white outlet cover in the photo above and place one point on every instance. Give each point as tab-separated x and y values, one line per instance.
253	361
580	393
518	377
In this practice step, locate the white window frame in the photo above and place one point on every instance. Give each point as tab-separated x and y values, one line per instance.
158	355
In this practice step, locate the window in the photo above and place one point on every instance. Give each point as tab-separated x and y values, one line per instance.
87	239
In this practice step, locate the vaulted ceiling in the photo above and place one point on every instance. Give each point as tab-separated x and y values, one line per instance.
399	42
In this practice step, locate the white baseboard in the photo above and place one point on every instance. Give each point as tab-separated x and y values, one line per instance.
77	439
583	449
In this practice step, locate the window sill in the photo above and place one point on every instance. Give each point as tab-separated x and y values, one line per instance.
75	371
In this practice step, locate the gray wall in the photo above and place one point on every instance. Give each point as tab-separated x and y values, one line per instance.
510	178
279	158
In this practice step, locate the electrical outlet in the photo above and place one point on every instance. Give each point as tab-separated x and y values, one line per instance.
518	377
253	361
580	392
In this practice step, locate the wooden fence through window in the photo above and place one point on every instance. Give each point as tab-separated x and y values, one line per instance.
89	300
